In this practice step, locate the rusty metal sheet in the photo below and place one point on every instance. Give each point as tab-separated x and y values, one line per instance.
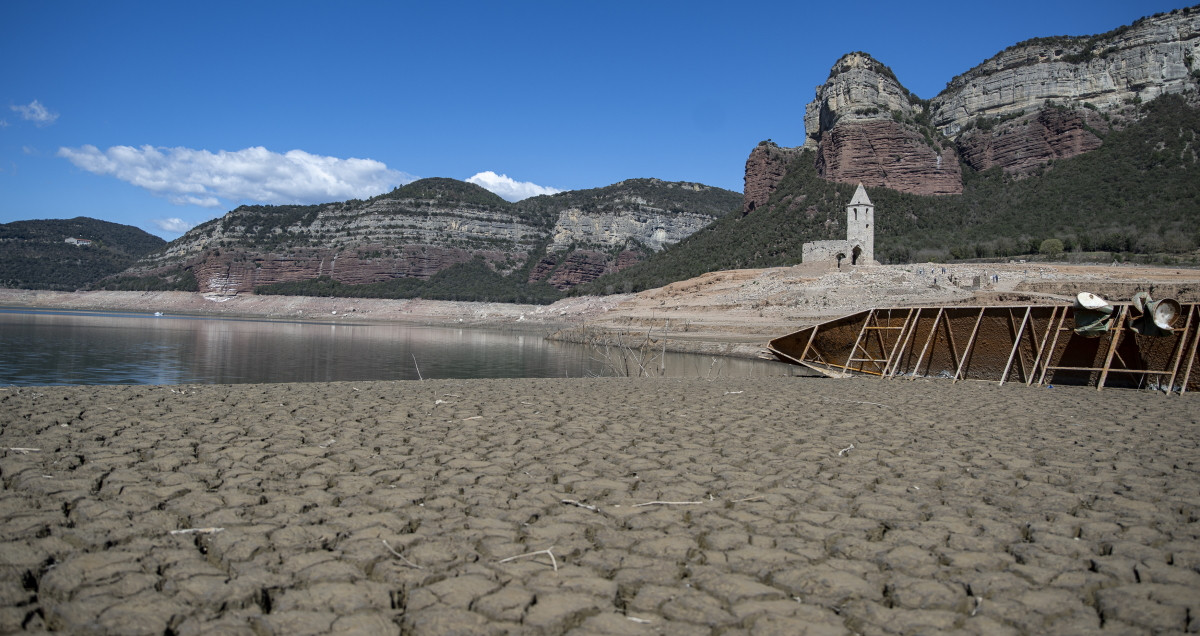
1034	344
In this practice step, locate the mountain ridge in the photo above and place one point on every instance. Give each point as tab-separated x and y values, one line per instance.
431	230
34	254
1036	101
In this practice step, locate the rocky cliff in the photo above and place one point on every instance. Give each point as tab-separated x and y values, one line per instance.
430	225
866	127
1053	98
1154	56
764	169
1040	100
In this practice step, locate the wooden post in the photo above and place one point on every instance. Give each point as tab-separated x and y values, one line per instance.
970	343
1112	347
1049	353
1016	343
1040	347
1183	338
854	349
910	326
929	339
1191	358
950	340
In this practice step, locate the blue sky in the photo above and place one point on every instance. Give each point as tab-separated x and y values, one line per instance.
163	115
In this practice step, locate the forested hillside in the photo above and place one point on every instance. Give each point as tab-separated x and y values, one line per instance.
33	254
1138	194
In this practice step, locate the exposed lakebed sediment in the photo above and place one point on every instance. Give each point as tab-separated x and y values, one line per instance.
777	505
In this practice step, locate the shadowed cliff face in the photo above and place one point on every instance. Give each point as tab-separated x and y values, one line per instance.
1040	100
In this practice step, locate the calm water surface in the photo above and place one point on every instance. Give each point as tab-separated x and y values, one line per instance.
53	347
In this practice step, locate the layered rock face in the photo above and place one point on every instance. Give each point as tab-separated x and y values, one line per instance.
632	219
764	169
859	89
1043	99
888	154
1153	56
432	224
1023	145
1046	98
865	128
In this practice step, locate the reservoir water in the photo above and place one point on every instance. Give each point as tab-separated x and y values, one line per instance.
68	347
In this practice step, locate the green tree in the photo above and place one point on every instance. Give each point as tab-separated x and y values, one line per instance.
1051	247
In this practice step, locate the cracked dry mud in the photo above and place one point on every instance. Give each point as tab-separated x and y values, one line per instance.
965	508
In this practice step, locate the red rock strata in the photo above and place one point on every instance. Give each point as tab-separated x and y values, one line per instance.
888	154
764	169
1021	146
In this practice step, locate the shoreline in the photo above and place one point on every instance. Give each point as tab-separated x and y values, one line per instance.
727	313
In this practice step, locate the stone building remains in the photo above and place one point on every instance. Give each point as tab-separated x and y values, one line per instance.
859	246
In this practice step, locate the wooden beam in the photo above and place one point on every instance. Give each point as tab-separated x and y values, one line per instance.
1183	337
950	340
910	324
970	344
1117	331
1049	353
1191	358
1016	342
932	334
854	349
811	335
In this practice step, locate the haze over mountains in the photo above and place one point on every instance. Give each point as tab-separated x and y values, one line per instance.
1091	140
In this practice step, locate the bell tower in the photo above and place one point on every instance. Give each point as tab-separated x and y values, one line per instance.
860	227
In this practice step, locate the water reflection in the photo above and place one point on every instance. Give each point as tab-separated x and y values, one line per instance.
38	347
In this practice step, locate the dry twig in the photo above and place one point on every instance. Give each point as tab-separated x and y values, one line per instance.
572	502
24	451
845	450
400	556
547	551
667	503
197	531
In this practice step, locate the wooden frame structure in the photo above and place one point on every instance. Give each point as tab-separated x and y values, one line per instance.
1034	344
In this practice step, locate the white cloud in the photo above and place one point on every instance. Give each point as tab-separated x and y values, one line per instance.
200	177
508	188
173	225
3	123
36	113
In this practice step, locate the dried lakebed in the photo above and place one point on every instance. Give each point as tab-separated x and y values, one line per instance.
631	506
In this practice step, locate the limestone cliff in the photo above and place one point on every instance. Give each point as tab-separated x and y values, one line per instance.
1052	98
1154	56
1040	100
866	127
430	225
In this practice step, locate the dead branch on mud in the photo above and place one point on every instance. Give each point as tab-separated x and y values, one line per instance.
623	355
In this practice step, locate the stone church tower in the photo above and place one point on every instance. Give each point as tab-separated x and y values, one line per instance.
860	227
859	246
